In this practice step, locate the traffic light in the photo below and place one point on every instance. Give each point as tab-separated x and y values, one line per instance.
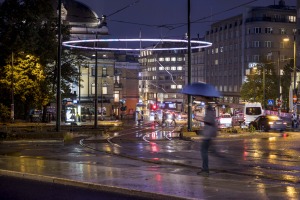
153	107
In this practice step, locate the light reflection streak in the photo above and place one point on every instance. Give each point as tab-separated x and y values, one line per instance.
291	192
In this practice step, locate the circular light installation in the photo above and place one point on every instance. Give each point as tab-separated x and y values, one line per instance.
82	44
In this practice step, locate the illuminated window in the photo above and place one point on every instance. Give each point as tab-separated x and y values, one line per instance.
173	59
173	68
179	59
179	68
292	18
161	59
173	86
154	69
179	86
167	59
161	68
104	90
116	96
167	68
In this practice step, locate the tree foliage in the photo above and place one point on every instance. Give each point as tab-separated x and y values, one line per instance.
29	27
252	88
25	75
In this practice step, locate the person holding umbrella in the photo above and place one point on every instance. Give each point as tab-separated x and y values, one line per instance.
207	92
209	132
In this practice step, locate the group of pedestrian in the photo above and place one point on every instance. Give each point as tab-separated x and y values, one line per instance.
164	119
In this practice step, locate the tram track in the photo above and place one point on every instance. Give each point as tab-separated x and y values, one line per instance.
251	170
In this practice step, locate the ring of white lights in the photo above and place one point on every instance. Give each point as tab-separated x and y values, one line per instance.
195	44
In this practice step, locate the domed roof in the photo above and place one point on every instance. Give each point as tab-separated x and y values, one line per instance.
79	13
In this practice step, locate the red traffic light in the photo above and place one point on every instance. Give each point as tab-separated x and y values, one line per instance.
154	107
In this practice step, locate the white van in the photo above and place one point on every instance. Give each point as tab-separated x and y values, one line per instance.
252	111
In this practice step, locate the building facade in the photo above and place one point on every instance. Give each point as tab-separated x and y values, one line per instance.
162	77
242	41
111	88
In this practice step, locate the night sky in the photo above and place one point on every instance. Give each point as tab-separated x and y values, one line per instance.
167	18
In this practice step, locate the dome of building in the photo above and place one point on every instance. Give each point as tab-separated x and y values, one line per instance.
79	13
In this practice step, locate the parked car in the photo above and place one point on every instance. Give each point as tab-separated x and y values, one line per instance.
268	122
225	121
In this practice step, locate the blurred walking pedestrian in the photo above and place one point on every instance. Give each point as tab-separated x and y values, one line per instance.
209	132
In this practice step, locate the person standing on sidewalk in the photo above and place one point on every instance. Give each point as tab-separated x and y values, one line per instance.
209	132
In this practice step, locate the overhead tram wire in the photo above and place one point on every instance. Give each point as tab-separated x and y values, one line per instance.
128	6
218	13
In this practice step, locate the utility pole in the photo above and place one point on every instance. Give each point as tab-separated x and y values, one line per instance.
189	67
58	84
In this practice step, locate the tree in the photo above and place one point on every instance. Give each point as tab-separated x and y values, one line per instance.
252	89
29	27
286	82
25	75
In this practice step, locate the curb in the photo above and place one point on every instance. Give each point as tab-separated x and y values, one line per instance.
88	185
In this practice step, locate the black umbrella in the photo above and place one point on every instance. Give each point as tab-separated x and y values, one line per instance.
201	89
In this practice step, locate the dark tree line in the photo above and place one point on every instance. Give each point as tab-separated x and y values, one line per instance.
28	55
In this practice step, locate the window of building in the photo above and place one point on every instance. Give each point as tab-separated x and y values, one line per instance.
256	58
104	89
269	57
179	68
217	50
167	59
93	88
93	71
221	49
269	30
179	86
161	59
257	30
154	77
161	68
282	31
154	69
167	68
173	68
268	44
249	31
173	86
216	62
173	59
179	59
104	71
292	18
256	44
116	96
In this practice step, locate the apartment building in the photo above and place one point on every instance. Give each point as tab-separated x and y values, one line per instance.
242	41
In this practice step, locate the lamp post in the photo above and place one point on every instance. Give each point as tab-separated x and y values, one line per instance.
96	86
295	73
12	106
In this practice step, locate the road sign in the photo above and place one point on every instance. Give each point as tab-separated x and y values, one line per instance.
270	102
279	102
295	98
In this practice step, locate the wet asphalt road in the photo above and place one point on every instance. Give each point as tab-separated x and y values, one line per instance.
267	157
